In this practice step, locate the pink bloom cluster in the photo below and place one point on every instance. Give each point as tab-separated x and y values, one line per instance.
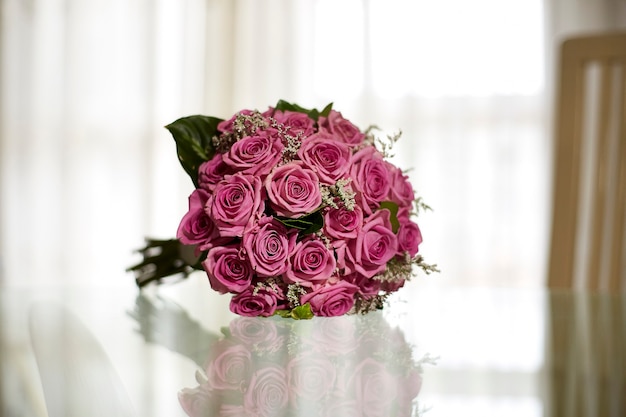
274	169
334	368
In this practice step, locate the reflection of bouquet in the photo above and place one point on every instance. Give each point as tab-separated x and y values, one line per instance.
347	366
295	212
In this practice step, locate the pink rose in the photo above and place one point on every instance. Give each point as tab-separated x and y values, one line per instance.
370	177
368	287
312	263
392	286
293	191
227	270
341	128
341	223
369	253
234	202
296	122
401	190
311	377
196	228
251	303
341	247
331	299
230	368
409	238
268	245
327	157
404	213
255	155
267	394
213	171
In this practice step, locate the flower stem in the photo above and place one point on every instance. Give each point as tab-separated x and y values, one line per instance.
163	258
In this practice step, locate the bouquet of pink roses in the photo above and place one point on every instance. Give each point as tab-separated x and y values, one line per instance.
295	212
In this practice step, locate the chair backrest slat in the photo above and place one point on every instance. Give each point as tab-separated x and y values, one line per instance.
599	192
590	140
616	276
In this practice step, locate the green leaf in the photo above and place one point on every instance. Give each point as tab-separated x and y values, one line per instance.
283	313
310	223
327	110
294	223
193	136
314	114
317	222
283	105
297	313
302	312
393	210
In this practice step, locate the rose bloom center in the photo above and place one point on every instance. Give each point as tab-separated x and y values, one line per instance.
313	260
297	189
234	197
272	245
329	156
256	148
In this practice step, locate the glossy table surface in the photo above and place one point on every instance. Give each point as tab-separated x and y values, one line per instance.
177	350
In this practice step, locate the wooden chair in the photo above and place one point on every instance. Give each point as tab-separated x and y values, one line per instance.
589	195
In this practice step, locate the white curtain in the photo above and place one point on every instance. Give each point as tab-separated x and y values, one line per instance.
86	85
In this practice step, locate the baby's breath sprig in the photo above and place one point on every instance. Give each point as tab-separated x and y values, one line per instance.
328	199
327	241
402	268
384	146
420	206
292	143
397	269
243	125
340	192
365	305
248	124
223	142
294	291
427	268
345	194
370	136
270	284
